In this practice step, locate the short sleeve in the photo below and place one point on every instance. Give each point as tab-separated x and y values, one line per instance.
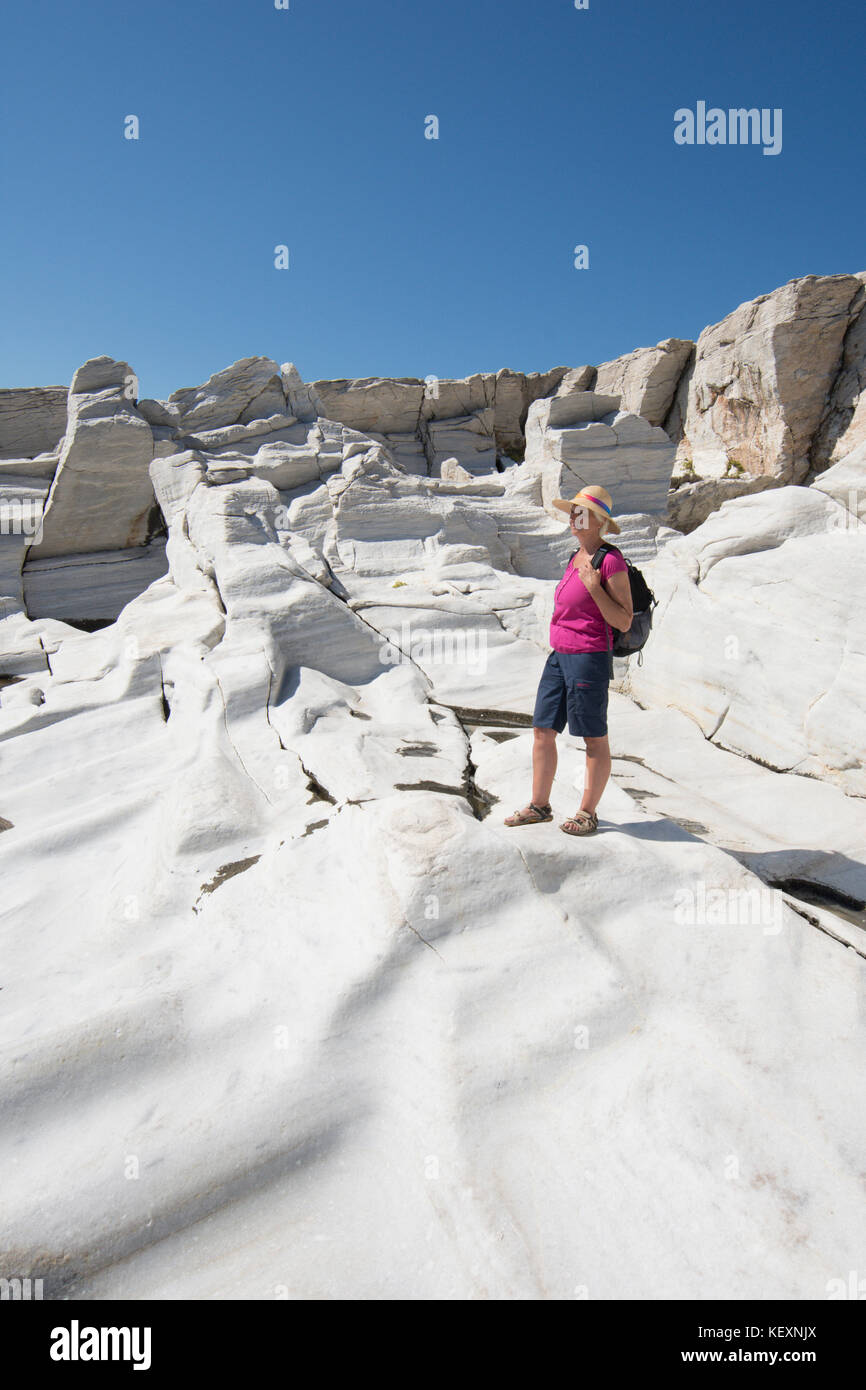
612	564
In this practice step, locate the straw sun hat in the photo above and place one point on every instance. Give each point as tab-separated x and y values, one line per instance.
597	499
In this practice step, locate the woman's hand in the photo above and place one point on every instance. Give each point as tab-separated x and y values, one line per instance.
615	606
589	575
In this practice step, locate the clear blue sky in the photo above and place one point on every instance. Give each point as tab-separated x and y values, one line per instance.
409	256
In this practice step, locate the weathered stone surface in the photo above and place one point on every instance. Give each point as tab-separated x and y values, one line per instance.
227	396
470	438
385	405
749	641
448	399
514	393
576	379
22	500
299	454
581	438
845	482
691	503
642	535
407	450
646	380
32	420
757	389
158	415
577	407
87	588
101	497
104	374
402	412
843	424
275	709
246	434
778	824
269	402
43	467
300	397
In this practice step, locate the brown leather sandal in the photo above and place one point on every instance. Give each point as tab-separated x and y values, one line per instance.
581	823
530	815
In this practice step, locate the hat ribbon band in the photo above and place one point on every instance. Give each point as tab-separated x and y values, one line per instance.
597	500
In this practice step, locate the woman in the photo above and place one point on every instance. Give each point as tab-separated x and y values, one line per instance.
574	682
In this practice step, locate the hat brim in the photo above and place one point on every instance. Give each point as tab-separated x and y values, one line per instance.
566	504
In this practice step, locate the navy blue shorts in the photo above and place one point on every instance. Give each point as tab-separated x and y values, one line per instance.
574	687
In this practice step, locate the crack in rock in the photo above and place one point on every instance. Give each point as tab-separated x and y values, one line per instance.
429	944
428	787
725	712
47	657
314	825
480	800
820	894
499	718
813	921
320	793
166	707
807	890
753	758
224	873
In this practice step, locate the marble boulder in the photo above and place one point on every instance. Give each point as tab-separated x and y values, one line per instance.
584	437
100	497
756	392
646	380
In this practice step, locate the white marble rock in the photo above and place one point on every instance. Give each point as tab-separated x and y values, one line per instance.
266	937
32	420
583	438
758	636
757	389
101	497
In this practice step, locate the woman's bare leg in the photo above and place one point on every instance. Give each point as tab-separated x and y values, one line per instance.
544	759
597	771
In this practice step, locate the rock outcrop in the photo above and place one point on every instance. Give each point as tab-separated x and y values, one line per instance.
22	503
476	418
843	423
32	421
250	389
582	437
690	503
645	381
756	392
758	636
90	590
514	393
101	496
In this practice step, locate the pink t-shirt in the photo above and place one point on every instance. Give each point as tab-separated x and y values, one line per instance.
577	624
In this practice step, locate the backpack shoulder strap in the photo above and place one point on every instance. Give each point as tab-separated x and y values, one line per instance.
598	557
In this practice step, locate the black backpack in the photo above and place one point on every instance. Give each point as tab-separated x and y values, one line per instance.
643	602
